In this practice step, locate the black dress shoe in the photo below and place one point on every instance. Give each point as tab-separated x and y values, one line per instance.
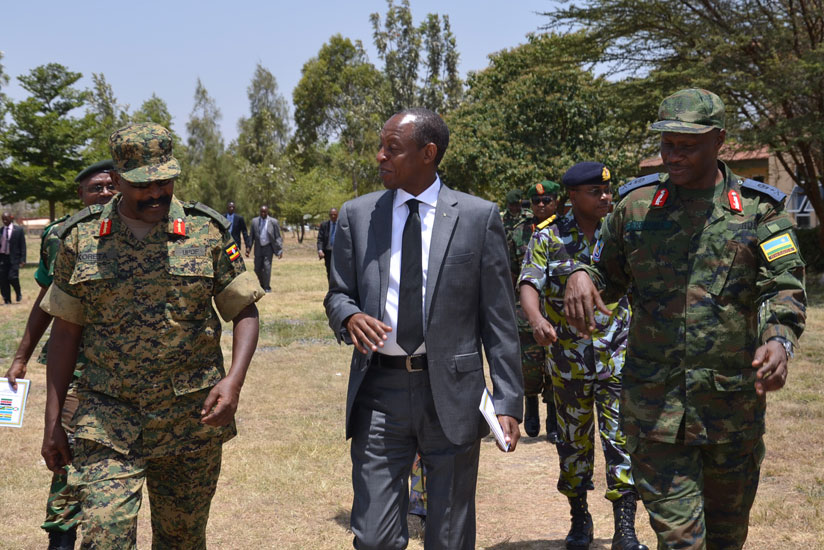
532	424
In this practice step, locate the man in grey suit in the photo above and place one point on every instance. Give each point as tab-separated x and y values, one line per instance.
420	279
264	236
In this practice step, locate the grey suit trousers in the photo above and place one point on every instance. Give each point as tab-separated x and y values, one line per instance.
394	416
263	264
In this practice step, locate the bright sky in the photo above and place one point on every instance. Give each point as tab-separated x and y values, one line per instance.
164	46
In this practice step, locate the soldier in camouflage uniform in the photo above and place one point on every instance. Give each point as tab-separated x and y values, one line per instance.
513	212
586	370
136	278
94	186
544	199
718	305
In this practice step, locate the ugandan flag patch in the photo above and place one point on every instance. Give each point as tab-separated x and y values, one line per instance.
778	247
233	252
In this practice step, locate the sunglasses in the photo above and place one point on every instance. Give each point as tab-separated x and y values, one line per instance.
542	200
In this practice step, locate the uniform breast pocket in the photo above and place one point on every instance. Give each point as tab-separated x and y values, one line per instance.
99	279
189	295
736	270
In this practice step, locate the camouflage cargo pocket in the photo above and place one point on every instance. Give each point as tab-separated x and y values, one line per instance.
189	296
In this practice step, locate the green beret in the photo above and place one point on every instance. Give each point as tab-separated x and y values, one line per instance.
514	196
97	167
546	187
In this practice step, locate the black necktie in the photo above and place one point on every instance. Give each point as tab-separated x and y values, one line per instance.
410	300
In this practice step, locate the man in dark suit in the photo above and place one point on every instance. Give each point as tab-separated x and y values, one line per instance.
266	239
419	280
237	225
326	238
12	257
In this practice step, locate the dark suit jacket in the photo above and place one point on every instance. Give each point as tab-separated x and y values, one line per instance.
238	229
17	244
324	234
275	238
469	303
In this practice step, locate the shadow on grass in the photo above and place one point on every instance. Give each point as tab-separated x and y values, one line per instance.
544	544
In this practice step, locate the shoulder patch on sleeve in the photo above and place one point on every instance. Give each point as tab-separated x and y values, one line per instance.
638	182
209	211
761	187
84	214
546	223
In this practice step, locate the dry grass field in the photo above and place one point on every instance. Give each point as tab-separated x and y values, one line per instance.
285	478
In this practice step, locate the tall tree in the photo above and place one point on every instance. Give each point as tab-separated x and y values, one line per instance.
529	116
154	110
209	169
765	59
430	81
44	141
340	97
108	115
265	133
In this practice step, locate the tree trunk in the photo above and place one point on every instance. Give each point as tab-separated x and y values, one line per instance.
51	210
300	232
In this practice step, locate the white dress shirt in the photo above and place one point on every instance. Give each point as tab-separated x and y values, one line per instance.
263	227
426	209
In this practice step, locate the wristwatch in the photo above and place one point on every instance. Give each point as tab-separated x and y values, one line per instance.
788	346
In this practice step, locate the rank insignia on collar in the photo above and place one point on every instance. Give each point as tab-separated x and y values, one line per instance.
660	198
233	252
105	227
179	227
735	200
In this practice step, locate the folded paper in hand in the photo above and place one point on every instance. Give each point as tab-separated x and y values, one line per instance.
488	410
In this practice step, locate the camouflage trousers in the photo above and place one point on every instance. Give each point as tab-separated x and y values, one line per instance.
110	485
698	497
417	488
574	400
62	506
533	363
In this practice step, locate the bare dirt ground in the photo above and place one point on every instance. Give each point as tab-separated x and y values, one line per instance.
285	478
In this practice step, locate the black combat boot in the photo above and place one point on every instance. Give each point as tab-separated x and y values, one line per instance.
580	534
624	511
62	540
532	423
552	424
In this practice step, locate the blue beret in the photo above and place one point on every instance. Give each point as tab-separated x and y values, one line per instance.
586	173
97	167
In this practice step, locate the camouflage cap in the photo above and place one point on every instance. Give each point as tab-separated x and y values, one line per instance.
142	153
546	187
691	111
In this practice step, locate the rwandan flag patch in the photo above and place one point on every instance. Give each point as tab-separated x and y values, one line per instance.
233	252
778	247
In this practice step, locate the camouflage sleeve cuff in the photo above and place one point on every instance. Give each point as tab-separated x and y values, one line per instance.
771	331
59	304
593	273
242	291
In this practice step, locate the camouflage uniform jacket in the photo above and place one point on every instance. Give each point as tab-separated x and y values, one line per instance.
151	335
49	245
709	286
552	254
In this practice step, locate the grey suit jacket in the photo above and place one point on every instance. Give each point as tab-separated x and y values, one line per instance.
469	303
274	235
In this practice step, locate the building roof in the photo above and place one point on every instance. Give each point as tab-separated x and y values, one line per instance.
731	152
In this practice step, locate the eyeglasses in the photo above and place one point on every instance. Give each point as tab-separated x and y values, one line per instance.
542	200
595	192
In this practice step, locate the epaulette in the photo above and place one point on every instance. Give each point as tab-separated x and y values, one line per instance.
762	187
636	183
547	222
78	217
209	211
54	223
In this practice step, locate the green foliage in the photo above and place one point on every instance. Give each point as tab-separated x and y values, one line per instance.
529	116
264	135
107	115
810	245
765	59
340	97
432	82
44	142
